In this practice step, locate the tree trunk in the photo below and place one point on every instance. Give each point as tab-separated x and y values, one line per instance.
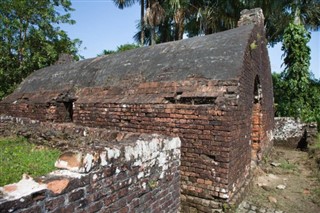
142	23
153	35
179	25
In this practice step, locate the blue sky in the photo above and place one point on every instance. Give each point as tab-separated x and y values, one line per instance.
101	25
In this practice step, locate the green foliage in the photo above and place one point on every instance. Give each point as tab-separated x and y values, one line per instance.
198	17
125	47
153	184
316	145
31	39
253	45
17	157
287	166
297	57
304	105
296	93
121	48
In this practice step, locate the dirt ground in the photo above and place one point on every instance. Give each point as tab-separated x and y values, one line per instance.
288	181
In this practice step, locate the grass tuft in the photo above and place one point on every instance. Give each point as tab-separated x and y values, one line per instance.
288	166
18	156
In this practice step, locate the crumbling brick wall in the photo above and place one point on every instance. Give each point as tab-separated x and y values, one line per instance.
253	115
139	173
204	128
293	133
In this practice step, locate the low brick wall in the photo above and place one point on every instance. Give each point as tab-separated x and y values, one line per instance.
132	173
293	133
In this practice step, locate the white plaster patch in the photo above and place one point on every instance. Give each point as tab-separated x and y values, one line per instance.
24	187
137	163
103	157
175	143
223	190
270	135
144	185
113	153
225	196
66	173
87	162
162	163
287	127
140	175
153	152
85	133
117	170
61	164
94	177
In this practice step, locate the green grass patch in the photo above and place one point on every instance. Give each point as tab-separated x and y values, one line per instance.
18	156
287	166
317	143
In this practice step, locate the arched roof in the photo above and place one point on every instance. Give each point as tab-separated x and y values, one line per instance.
217	56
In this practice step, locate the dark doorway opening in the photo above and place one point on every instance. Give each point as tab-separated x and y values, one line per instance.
69	111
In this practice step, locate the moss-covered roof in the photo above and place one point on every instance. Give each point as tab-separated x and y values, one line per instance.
217	56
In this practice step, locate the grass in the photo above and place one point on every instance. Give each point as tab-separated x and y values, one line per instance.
287	166
317	143
17	156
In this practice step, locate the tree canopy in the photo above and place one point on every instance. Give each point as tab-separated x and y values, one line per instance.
30	38
198	17
297	93
121	48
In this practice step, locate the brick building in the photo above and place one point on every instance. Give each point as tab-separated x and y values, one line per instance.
214	92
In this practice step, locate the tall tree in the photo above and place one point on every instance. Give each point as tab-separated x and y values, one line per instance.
296	74
179	8
155	14
278	15
31	39
209	16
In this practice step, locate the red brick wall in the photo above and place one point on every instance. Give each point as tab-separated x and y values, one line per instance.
212	118
206	131
256	66
148	182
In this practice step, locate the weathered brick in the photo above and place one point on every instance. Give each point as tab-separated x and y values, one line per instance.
54	203
76	195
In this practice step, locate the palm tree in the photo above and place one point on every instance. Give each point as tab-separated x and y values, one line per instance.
155	14
178	8
121	4
210	16
278	15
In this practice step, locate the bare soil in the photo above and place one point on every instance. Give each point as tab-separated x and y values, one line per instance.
287	180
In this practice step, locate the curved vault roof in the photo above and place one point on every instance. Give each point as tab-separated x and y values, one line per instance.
217	56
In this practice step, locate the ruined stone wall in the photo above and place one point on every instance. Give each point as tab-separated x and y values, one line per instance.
42	106
293	133
138	173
